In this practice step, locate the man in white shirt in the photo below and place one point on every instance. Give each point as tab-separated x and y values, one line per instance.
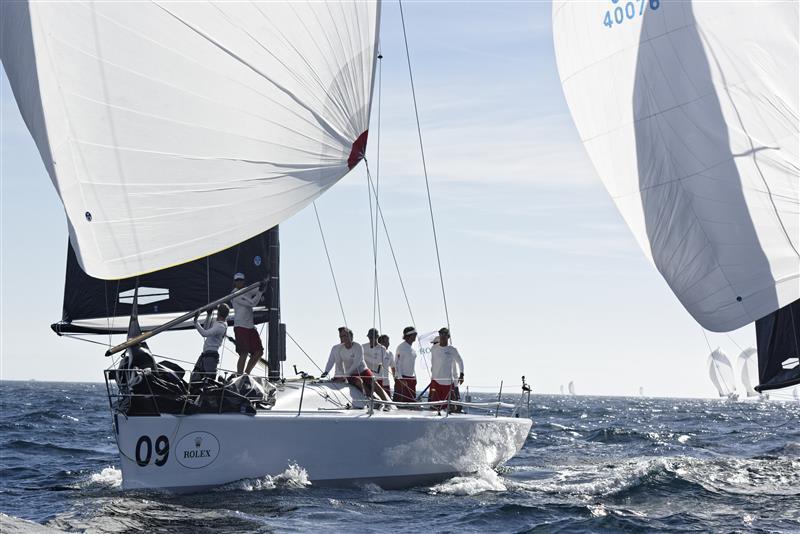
351	357
338	368
446	367
214	334
248	342
375	357
405	380
388	364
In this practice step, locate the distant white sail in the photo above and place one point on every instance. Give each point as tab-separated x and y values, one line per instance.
721	372
749	371
796	393
641	391
689	112
561	388
571	388
173	130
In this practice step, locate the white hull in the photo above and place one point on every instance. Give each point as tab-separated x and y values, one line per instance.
391	449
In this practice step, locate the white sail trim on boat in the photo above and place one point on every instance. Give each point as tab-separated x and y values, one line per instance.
721	372
689	112
174	130
749	371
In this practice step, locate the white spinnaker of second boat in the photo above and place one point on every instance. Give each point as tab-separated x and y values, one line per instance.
689	112
720	371
154	119
749	371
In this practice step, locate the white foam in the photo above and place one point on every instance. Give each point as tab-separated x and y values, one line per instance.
683	438
109	477
482	481
598	510
294	477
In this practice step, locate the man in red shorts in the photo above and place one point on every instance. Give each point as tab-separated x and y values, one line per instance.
248	342
447	370
351	357
405	380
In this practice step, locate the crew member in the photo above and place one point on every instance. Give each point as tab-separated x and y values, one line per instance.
248	342
206	366
351	356
446	365
333	363
405	378
388	364
375	357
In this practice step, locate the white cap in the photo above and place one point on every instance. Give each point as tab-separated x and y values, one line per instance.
238	276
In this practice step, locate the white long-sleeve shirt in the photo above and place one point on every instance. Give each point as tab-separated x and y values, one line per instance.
339	367
375	357
406	359
214	334
243	308
352	359
446	364
388	363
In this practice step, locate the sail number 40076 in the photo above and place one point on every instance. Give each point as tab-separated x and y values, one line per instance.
622	12
144	450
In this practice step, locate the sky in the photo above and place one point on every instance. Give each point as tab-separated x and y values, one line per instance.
542	276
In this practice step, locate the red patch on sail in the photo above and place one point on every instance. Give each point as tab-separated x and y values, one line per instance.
357	152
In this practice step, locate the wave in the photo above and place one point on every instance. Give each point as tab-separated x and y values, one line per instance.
480	482
294	477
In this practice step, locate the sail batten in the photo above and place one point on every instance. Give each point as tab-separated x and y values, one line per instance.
689	113
159	122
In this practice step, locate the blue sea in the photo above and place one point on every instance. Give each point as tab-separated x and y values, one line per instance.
590	464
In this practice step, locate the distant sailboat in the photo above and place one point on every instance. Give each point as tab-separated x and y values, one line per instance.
561	388
748	370
721	372
571	388
641	391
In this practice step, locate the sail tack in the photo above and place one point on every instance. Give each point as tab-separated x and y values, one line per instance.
720	371
173	130
689	112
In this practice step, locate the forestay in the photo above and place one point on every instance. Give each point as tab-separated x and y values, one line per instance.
174	130
689	112
95	306
721	372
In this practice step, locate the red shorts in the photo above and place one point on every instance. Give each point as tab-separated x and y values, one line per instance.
247	340
405	389
441	392
385	385
366	376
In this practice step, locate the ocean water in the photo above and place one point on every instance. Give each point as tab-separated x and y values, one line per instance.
590	464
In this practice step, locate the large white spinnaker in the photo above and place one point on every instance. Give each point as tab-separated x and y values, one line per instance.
689	112
721	372
749	371
173	130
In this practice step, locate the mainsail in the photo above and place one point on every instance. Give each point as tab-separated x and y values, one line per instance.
747	365
95	306
172	131
779	348
721	372
689	112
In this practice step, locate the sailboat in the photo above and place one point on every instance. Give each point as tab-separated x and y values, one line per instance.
561	389
747	371
571	387
720	371
688	111
178	137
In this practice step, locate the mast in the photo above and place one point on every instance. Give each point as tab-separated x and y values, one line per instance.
275	331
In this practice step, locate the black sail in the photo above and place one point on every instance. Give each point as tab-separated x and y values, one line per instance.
778	337
96	306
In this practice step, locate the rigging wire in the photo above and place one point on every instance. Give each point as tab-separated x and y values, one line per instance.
424	166
330	263
389	242
376	298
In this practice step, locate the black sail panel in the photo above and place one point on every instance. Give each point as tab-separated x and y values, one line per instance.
778	337
92	305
